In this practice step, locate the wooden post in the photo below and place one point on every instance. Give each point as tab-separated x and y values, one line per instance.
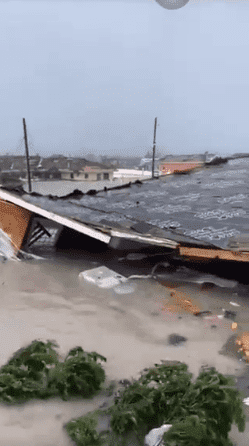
154	149
27	154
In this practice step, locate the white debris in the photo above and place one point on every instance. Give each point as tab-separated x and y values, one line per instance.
246	401
102	277
234	304
155	436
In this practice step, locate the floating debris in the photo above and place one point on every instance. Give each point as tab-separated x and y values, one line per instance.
155	436
202	313
234	304
243	342
125	382
230	348
181	302
102	277
230	314
175	339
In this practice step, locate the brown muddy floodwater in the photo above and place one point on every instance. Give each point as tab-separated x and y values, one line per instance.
45	300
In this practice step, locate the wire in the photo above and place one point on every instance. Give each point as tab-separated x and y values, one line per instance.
148	276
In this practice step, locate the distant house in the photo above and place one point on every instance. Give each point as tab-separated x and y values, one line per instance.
54	168
46	169
87	173
71	169
15	167
74	169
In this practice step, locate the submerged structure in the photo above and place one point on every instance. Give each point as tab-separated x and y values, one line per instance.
201	216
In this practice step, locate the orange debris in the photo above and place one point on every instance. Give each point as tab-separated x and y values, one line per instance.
243	342
181	301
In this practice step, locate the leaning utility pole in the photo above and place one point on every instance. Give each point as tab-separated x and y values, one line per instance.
27	153
154	149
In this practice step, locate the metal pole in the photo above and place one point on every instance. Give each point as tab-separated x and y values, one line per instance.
27	153
154	149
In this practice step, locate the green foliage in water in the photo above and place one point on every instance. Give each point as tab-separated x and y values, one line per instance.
36	372
209	408
80	374
201	413
25	375
83	431
151	399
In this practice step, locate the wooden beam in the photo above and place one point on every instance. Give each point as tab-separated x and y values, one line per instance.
200	253
145	239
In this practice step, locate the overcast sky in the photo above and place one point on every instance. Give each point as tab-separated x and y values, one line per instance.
91	76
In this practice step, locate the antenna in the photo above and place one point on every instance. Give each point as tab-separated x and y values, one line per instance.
154	149
27	153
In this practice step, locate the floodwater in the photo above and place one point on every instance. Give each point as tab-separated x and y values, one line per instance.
44	299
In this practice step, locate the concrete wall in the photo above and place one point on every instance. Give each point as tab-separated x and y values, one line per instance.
86	176
131	173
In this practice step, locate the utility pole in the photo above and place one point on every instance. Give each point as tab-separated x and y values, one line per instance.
154	149
27	153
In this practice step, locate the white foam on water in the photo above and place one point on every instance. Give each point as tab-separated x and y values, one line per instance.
7	251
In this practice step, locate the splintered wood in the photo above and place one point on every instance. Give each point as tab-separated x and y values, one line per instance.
182	301
199	253
243	342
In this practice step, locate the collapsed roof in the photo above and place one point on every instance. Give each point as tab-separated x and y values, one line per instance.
207	208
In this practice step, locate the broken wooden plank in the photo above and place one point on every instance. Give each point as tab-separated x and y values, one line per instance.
197	253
